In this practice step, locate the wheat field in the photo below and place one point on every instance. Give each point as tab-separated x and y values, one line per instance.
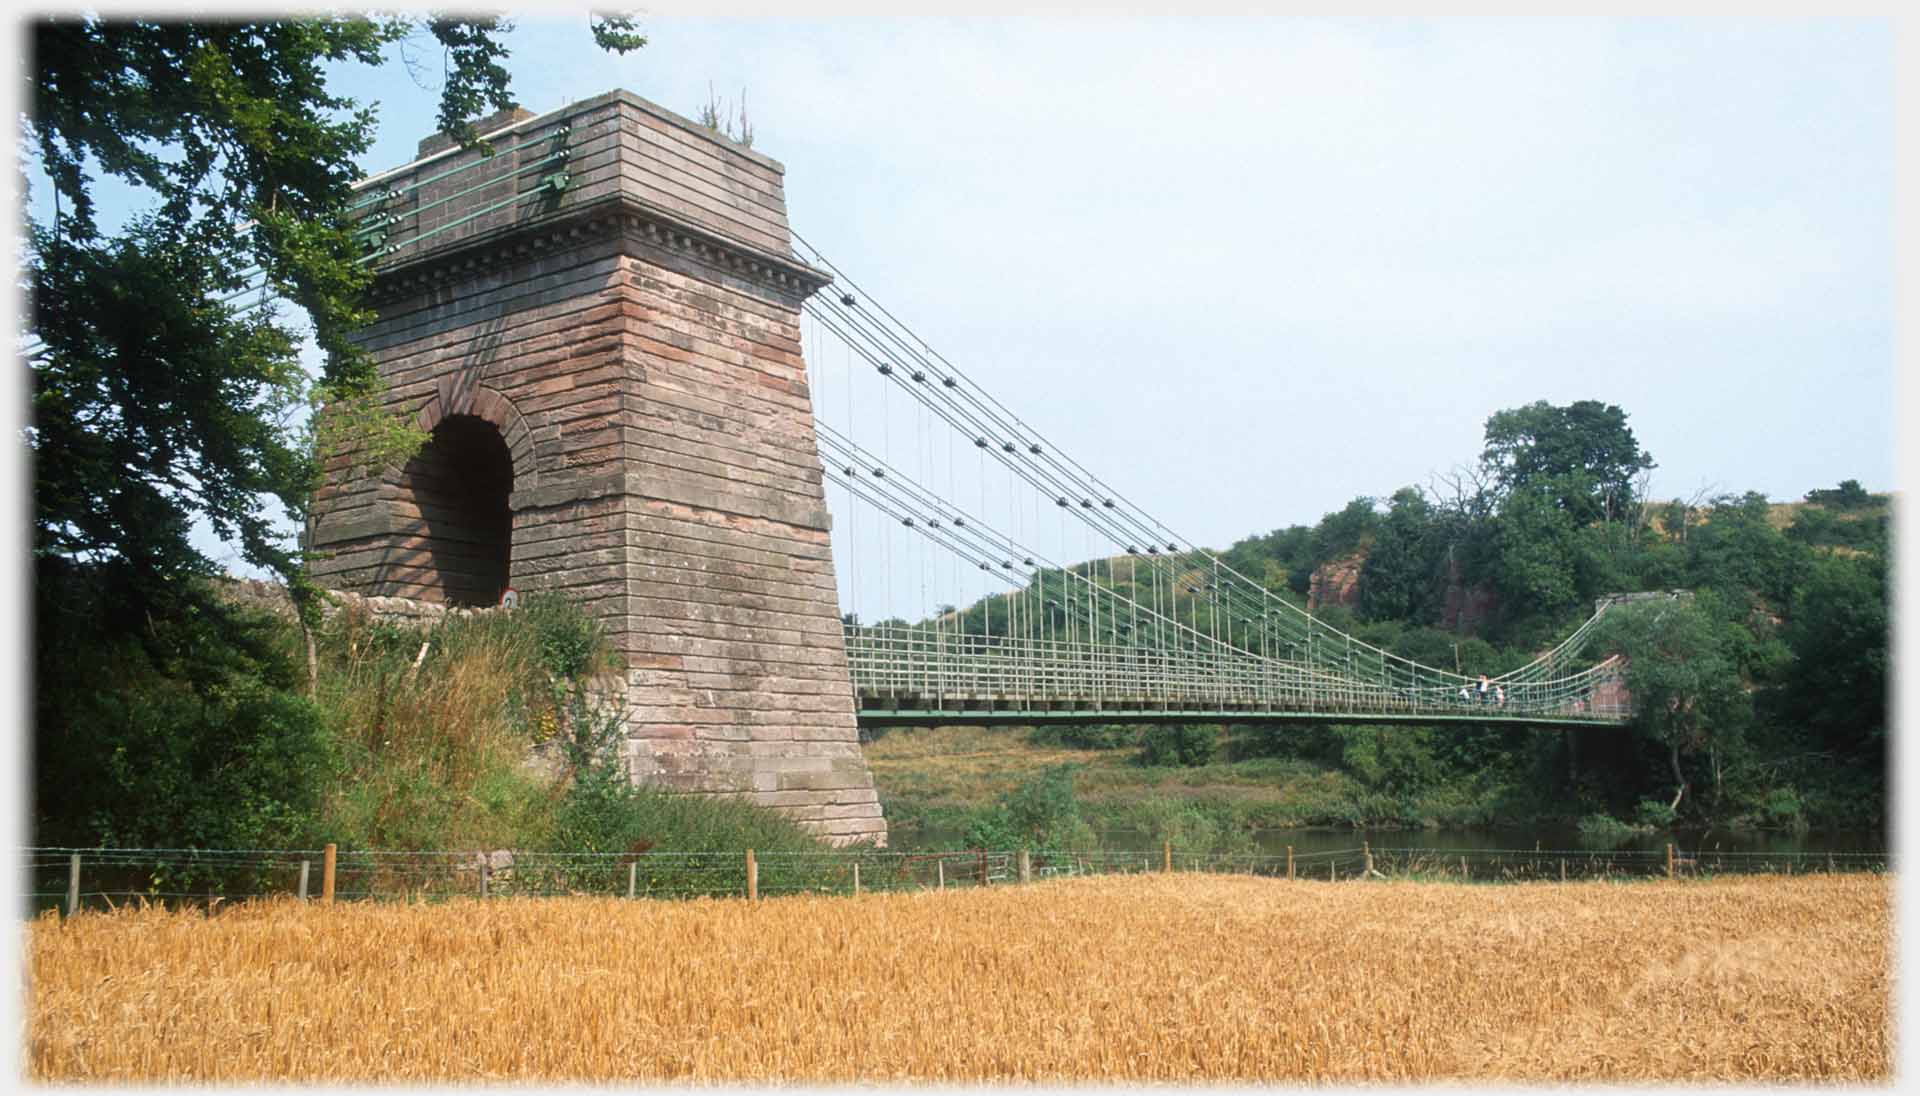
1174	978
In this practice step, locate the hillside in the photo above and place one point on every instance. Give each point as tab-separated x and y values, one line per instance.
1790	603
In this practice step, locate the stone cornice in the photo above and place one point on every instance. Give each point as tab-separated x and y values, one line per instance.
617	215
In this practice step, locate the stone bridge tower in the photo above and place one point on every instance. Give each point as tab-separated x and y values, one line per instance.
599	324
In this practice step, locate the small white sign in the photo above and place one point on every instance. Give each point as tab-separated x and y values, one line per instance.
510	598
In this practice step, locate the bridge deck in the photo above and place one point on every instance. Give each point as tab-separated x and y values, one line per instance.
891	712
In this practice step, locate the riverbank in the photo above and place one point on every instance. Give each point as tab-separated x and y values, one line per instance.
935	782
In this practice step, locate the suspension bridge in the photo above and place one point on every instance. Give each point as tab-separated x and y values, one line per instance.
795	515
1157	630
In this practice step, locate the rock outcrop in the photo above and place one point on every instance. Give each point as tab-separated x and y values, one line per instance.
1336	582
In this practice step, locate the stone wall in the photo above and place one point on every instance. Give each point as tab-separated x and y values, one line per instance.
635	344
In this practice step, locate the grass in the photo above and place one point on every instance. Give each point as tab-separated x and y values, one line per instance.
931	777
1178	978
453	736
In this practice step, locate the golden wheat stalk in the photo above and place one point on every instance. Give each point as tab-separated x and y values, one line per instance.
1173	978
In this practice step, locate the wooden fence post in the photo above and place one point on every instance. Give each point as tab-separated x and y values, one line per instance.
305	867
1464	874
73	884
1330	877
633	877
327	861
1026	867
1366	850
1166	856
983	867
753	877
1669	860
1289	863
486	869
1563	871
940	866
856	879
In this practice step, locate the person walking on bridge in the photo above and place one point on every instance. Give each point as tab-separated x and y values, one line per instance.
1485	695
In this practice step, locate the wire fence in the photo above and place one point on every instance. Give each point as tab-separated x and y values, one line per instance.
73	879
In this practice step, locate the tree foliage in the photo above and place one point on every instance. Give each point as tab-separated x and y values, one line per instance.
1403	577
1686	686
1769	689
1837	683
1179	744
1583	457
159	400
1848	496
155	400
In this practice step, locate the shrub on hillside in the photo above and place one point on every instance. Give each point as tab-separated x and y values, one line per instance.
1182	744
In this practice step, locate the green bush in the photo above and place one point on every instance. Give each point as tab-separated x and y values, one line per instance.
602	812
991	827
571	643
182	730
1179	744
1604	831
1191	829
1042	813
1393	760
1652	814
1781	808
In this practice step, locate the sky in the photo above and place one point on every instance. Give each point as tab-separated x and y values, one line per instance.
1248	269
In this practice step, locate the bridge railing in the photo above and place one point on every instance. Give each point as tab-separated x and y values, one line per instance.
936	670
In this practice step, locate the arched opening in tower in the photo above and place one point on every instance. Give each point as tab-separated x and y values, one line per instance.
459	483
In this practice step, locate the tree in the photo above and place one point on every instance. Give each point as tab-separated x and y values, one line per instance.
1400	578
158	400
154	400
1583	456
1343	532
1042	813
1536	545
1848	496
1836	686
1686	687
1737	551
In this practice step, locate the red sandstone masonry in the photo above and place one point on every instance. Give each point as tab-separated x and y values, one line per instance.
637	344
